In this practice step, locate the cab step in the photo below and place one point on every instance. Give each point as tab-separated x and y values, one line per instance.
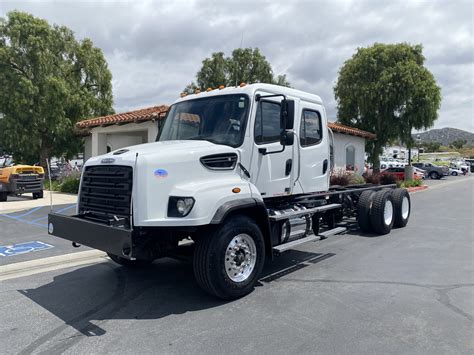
310	238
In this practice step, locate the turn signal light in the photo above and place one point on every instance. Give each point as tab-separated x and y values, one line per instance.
236	190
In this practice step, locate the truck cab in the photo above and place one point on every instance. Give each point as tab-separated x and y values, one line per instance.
239	173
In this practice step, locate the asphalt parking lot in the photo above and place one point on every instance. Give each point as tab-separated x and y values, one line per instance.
411	291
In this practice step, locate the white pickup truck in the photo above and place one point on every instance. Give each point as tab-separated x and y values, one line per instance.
237	175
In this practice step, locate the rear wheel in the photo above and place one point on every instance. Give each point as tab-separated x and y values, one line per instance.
382	212
434	175
37	195
363	210
3	196
401	207
229	260
454	173
129	263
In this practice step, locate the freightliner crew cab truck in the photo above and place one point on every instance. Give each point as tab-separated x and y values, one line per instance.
240	173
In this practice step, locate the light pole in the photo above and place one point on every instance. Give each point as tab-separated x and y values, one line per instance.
418	141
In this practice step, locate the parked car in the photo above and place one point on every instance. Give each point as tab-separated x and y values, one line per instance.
399	173
433	171
455	172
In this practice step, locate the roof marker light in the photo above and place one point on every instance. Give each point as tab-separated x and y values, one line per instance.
197	91
209	89
242	84
183	94
221	87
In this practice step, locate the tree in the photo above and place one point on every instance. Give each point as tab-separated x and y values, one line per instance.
49	81
245	65
458	143
387	90
431	147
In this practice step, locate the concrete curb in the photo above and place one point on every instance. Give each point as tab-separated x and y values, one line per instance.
417	188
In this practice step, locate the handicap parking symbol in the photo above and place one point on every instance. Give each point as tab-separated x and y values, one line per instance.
23	248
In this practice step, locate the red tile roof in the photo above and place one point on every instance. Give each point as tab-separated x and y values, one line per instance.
158	112
145	114
340	128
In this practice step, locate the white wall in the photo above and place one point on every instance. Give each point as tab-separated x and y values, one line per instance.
341	142
118	136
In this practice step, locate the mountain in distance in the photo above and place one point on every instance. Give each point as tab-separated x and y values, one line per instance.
445	136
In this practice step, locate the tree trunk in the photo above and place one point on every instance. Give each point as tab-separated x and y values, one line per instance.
375	158
45	152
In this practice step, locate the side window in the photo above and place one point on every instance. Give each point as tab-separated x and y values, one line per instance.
267	122
311	128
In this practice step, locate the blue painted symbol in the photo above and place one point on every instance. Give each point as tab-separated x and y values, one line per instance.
23	248
161	173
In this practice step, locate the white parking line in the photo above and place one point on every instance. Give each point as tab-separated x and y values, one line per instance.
32	267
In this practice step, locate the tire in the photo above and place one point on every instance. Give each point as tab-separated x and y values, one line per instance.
41	194
129	263
434	175
454	173
382	220
364	206
401	207
3	196
216	271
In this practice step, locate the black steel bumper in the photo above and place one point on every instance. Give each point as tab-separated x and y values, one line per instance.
114	240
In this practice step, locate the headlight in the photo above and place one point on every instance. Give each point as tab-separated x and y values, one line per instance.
180	206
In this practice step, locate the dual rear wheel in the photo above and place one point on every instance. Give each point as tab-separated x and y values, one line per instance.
380	211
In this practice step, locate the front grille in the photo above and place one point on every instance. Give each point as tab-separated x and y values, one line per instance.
106	190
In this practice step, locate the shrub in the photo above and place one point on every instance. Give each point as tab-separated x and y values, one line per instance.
70	185
357	180
372	178
53	187
340	177
387	179
411	183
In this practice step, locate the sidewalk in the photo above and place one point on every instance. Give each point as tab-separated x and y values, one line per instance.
14	204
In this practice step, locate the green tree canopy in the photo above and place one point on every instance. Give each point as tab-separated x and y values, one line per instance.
387	90
245	65
49	81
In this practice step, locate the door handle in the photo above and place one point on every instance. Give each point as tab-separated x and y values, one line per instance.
288	166
325	166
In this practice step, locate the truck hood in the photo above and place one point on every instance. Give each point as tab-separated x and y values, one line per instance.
182	150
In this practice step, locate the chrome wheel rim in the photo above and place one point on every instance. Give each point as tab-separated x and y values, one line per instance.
240	257
388	212
405	207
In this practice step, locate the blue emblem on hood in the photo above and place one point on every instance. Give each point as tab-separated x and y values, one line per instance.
160	173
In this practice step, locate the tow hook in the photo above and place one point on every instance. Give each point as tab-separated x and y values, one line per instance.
75	245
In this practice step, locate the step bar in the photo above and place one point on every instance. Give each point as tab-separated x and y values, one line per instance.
295	214
311	238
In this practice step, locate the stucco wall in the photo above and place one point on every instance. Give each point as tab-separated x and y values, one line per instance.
341	142
118	137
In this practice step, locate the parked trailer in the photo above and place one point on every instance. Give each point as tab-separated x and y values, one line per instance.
240	174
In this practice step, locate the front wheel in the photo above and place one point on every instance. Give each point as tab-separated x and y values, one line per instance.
434	175
229	260
454	173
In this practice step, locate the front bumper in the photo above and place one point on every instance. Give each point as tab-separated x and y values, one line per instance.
113	240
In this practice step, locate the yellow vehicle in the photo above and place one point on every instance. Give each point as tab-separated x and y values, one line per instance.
20	179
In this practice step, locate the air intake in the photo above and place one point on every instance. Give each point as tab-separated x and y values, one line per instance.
225	161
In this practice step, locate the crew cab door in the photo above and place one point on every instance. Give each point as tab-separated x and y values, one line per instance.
313	145
271	173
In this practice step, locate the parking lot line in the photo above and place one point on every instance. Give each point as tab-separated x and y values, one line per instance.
37	266
33	210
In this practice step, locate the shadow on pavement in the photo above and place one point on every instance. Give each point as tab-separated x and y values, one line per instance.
107	291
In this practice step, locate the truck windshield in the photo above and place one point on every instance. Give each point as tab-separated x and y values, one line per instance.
217	119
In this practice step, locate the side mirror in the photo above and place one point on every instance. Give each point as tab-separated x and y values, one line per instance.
287	116
287	138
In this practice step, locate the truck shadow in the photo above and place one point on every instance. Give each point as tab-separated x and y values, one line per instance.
88	297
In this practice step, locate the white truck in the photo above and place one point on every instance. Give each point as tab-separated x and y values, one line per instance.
237	175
